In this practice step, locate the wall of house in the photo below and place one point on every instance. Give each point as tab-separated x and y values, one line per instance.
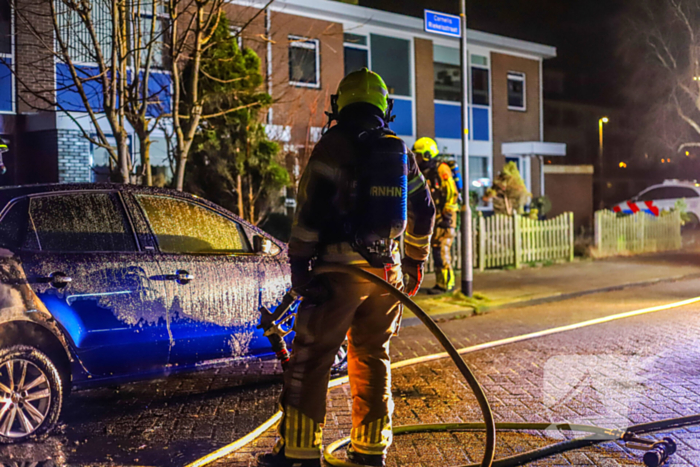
425	88
302	107
515	125
570	188
34	63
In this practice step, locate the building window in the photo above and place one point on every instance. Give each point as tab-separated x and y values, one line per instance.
304	62
480	86
6	58
479	180
5	27
516	91
236	31
448	82
391	59
480	60
101	164
356	52
154	24
448	74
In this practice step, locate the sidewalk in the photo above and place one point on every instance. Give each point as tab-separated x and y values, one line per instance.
567	280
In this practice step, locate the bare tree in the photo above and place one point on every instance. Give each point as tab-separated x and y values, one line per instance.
104	51
665	49
193	23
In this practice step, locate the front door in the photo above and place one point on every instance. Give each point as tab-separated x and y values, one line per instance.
87	268
211	278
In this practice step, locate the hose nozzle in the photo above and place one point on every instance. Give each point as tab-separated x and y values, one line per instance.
659	453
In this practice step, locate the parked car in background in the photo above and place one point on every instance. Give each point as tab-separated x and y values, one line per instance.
104	284
663	197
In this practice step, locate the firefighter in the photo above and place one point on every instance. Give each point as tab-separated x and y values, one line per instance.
339	305
446	197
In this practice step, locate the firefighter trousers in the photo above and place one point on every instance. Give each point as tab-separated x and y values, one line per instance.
442	259
368	316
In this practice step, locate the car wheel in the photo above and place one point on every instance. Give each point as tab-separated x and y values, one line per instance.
693	223
30	394
340	364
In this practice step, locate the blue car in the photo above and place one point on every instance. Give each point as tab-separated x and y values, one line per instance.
105	284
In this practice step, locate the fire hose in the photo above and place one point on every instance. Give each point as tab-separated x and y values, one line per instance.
657	452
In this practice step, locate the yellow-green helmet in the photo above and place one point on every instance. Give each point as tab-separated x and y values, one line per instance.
363	86
426	147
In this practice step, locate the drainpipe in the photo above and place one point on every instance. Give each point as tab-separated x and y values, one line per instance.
268	74
541	128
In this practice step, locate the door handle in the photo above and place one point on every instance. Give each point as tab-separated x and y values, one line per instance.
59	280
181	276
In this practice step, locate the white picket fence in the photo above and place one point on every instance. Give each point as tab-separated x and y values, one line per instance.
638	233
501	241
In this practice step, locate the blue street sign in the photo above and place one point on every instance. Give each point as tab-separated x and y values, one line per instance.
442	23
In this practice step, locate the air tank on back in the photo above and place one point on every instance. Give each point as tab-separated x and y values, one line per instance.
382	190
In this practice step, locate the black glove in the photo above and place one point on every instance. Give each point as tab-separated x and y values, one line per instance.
301	274
445	221
412	275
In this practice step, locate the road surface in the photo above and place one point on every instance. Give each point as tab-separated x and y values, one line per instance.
628	371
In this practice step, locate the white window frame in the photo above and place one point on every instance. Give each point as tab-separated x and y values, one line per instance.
354	45
234	30
161	15
518	76
471	85
307	43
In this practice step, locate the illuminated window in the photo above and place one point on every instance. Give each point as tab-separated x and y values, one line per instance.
516	91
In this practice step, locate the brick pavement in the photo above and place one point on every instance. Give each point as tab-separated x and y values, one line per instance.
630	371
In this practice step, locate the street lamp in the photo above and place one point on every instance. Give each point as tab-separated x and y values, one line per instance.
601	122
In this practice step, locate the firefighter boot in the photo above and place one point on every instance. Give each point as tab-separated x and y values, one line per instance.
280	460
373	460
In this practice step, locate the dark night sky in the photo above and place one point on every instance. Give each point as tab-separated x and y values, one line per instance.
585	33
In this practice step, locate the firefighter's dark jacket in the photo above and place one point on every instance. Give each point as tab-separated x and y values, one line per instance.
320	224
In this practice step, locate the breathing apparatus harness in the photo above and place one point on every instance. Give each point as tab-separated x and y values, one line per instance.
379	210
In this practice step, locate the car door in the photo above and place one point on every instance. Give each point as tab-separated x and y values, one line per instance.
87	267
654	200
212	287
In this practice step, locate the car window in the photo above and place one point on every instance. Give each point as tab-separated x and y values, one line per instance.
13	226
681	192
184	227
668	192
655	194
81	222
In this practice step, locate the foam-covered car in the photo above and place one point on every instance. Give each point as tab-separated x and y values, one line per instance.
104	284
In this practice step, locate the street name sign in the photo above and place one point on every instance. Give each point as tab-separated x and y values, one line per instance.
442	23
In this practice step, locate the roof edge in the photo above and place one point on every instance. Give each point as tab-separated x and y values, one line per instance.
343	12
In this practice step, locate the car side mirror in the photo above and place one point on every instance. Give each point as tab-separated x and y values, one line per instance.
635	199
262	245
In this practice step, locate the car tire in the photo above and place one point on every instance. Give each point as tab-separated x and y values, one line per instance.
31	394
693	222
340	364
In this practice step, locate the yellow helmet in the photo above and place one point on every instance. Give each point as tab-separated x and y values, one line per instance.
363	86
426	147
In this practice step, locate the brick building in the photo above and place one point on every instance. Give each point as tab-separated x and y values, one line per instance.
306	47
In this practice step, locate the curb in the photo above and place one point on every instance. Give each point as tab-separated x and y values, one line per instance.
409	322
